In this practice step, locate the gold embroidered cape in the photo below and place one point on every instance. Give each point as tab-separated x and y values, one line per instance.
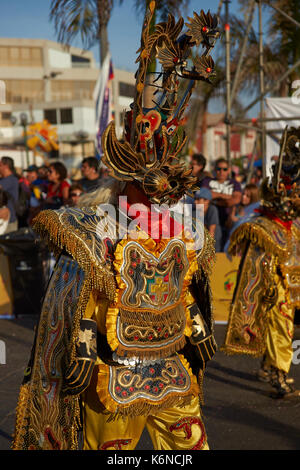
267	248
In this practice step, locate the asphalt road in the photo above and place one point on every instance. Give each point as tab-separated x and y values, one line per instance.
238	413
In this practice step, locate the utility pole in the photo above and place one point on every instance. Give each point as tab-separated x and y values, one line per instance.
262	88
228	100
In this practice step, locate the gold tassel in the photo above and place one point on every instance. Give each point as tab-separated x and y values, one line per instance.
145	407
22	406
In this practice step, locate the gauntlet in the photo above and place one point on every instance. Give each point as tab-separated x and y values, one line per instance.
78	374
201	338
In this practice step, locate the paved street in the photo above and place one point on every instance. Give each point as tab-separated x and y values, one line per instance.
238	412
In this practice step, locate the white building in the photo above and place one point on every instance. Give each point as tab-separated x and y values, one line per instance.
45	80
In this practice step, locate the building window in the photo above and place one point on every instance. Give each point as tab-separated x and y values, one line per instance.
50	115
66	116
24	91
79	61
72	89
126	89
21	56
5	119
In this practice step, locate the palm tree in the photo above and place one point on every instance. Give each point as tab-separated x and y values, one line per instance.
285	36
86	18
275	64
163	7
89	19
282	49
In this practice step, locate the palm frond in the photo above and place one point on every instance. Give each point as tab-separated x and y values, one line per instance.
75	17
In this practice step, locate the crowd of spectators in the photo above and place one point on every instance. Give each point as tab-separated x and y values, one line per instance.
226	196
23	195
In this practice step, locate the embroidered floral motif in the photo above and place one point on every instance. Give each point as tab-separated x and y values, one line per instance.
186	424
153	381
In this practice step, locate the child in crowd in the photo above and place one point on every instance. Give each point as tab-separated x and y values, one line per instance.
211	216
250	199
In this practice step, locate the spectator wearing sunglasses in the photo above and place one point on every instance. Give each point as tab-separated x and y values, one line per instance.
76	190
226	192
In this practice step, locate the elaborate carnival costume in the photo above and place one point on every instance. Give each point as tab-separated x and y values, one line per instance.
261	320
126	325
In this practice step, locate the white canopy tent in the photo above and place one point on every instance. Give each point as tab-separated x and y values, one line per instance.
279	108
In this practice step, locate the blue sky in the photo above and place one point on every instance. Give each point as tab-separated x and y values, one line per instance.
30	19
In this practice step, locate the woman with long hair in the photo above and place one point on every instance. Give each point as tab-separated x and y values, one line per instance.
58	189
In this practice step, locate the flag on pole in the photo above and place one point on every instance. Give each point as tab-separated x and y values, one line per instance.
103	101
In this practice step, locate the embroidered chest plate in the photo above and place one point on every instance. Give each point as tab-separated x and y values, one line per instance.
151	316
153	282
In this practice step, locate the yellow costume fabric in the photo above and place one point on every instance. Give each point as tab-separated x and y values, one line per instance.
176	428
267	291
279	351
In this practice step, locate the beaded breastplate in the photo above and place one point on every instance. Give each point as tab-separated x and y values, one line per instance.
148	319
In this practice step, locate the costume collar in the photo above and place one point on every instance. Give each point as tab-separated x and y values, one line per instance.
153	222
287	224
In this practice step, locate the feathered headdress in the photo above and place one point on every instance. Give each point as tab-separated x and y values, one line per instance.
281	194
153	135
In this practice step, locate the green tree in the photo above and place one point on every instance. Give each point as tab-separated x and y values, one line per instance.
89	19
285	36
85	18
281	45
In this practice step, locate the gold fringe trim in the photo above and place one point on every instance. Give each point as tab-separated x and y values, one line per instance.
200	383
258	236
206	258
231	350
148	319
22	407
158	352
144	407
48	225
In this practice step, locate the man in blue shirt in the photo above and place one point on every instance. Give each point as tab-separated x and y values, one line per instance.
9	183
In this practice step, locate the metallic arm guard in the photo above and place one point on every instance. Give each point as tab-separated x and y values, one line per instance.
78	374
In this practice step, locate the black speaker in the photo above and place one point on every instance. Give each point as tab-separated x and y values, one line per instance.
28	265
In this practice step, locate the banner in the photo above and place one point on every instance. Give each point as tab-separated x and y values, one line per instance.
103	101
279	108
